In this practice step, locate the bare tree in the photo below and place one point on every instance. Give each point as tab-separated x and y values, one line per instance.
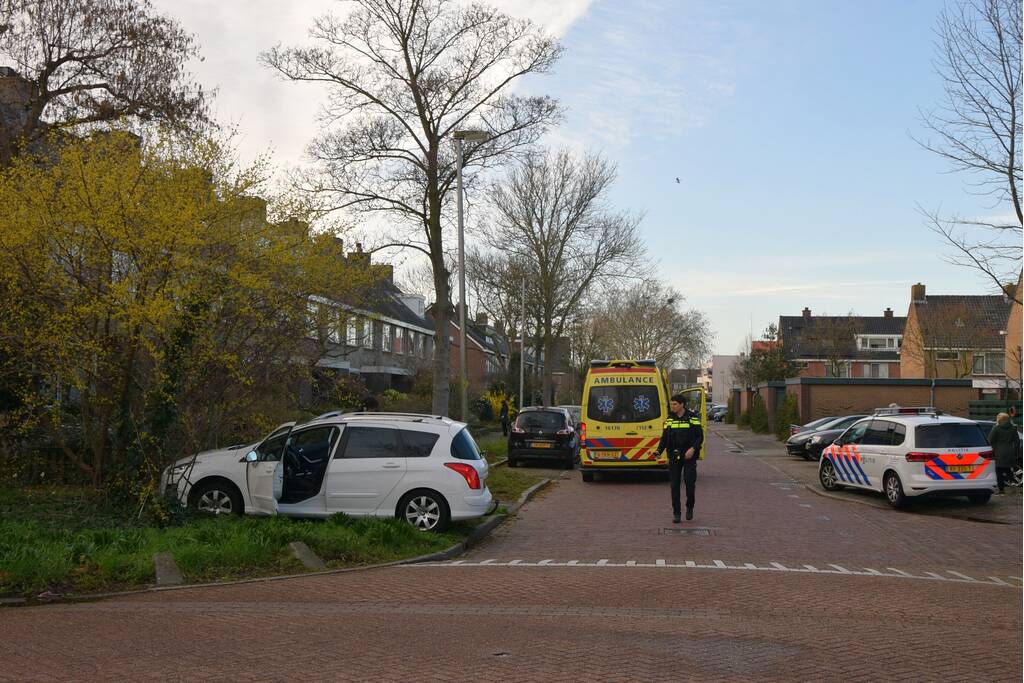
85	62
833	340
404	75
649	321
978	130
551	211
942	338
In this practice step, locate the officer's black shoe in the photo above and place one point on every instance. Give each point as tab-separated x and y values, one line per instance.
689	514
675	519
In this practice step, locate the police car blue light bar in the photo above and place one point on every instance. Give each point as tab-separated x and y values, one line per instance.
919	410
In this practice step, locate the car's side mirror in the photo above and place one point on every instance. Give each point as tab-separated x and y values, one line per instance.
252	456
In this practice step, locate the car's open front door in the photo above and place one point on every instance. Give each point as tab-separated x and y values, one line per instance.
264	475
696	401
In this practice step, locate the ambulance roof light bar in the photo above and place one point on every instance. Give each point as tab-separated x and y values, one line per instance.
645	363
919	410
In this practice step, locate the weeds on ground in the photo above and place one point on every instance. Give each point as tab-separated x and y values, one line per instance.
68	541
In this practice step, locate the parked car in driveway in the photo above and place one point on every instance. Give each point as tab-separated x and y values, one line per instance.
828	428
810	426
717	413
425	469
575	414
544	434
911	452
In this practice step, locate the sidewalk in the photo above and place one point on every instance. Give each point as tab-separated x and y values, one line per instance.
1006	509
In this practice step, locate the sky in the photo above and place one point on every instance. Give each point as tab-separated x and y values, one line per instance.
788	124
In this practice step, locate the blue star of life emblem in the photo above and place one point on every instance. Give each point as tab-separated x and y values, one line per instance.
641	404
605	404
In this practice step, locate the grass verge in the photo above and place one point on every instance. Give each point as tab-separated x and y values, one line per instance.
67	541
493	446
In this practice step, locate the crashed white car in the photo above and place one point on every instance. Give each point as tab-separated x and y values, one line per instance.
424	469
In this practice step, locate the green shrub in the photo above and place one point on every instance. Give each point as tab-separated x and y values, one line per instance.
730	412
743	421
787	414
759	415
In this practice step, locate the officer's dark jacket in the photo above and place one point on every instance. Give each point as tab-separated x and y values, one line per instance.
682	433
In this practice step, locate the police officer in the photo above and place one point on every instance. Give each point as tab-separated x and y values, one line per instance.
682	438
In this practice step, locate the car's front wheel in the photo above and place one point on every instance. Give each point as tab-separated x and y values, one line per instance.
425	510
894	490
217	498
827	477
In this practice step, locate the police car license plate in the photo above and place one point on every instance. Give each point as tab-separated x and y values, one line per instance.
605	455
959	469
541	444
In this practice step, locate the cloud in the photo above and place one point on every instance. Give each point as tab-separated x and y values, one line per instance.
644	66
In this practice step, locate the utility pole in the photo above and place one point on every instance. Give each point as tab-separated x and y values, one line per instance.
522	352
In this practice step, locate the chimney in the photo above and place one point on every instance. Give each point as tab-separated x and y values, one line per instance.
15	96
917	294
887	312
807	314
1009	289
481	319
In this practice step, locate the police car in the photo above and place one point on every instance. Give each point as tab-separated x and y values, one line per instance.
911	452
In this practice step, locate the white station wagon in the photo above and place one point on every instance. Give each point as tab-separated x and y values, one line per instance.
911	452
425	469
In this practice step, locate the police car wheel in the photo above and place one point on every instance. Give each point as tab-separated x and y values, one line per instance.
894	490
827	476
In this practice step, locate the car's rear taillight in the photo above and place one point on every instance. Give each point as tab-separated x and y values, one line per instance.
583	431
794	430
986	454
919	457
516	429
468	473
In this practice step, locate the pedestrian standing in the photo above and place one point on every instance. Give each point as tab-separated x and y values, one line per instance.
503	415
682	438
1005	442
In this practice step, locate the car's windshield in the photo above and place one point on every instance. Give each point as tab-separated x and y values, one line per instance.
949	435
541	420
624	403
841	422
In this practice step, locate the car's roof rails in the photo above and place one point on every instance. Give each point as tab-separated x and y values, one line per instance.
624	363
385	415
333	413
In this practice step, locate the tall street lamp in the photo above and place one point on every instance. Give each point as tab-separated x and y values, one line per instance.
460	136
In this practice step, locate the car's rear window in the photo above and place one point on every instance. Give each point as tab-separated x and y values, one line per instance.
543	420
949	435
624	403
464	447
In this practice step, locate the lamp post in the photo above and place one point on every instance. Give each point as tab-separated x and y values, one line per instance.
460	136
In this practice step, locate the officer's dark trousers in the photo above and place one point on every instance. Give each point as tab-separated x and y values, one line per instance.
681	468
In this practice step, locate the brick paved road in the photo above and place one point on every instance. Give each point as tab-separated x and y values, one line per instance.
740	618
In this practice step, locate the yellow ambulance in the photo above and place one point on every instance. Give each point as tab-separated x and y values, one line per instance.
625	404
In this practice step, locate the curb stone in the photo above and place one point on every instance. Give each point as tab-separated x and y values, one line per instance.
477	534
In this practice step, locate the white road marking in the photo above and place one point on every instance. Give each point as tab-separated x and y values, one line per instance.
837	570
793	495
805	505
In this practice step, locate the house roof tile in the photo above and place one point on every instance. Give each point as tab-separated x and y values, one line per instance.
963	321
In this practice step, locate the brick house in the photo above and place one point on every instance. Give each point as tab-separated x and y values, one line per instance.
487	350
844	346
957	336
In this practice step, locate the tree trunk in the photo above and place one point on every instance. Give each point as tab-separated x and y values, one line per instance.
442	314
548	355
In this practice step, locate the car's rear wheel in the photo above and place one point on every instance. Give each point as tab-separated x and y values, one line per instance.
587	476
217	498
827	477
979	498
425	510
894	490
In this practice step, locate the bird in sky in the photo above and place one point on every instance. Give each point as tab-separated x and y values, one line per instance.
677	180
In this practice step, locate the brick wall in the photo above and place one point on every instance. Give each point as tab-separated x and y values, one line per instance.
843	397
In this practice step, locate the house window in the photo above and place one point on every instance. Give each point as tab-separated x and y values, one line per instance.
313	319
336	325
366	333
351	333
844	370
947	355
399	345
989	364
876	370
890	343
386	337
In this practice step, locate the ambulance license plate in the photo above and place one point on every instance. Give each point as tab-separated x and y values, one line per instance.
605	455
960	469
541	444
